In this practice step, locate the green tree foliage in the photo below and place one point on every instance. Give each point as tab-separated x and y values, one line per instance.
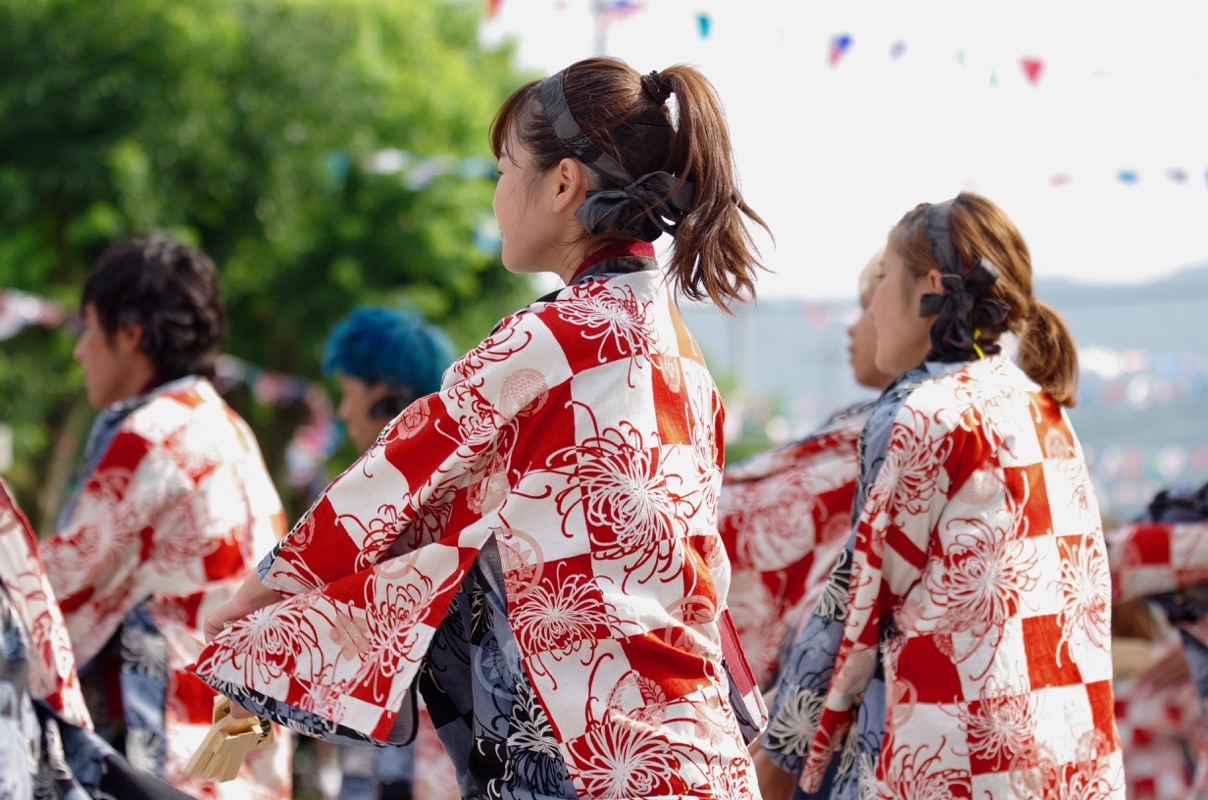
249	128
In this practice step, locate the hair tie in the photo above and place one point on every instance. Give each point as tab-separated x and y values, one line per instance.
654	86
953	337
977	348
645	208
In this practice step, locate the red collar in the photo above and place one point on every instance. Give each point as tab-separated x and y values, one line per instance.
640	249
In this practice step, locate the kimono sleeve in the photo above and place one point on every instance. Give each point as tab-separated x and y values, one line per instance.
372	568
1154	557
395	497
892	538
130	535
52	673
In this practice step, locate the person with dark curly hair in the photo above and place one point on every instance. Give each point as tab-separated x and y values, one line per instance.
174	503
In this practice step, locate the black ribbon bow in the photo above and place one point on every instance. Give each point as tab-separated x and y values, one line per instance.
952	333
652	205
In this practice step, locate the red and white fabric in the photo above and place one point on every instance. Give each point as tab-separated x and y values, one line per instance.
1161	735
784	517
173	518
52	672
980	585
1149	558
584	435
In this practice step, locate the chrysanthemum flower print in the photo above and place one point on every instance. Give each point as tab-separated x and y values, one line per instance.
983	575
561	614
1000	726
270	640
626	494
798	712
917	773
620	760
912	472
618	321
1085	585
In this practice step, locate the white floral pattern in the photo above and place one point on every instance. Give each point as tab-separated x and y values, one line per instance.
981	594
169	522
559	447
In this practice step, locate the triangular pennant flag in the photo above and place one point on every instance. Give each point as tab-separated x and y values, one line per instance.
993	78
611	10
703	23
1128	176
1032	67
839	45
1177	174
897	49
1060	179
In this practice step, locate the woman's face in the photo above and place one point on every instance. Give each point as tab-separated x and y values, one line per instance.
525	231
902	336
862	349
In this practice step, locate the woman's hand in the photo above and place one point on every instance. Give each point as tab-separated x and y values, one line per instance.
252	595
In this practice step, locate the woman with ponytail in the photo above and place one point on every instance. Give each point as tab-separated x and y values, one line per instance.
962	647
534	547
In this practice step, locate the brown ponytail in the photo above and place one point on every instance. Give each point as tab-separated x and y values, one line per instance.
979	229
625	114
1047	355
714	253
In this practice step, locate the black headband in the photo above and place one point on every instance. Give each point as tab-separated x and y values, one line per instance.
953	337
646	208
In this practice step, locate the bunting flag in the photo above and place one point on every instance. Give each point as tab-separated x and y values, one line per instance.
1032	68
19	310
612	10
418	172
703	24
897	49
840	43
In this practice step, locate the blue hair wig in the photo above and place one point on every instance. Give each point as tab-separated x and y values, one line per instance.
380	345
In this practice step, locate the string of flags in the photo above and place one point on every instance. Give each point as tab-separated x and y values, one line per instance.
308	448
418	172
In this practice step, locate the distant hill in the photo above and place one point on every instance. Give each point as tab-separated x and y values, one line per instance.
1143	401
1167	314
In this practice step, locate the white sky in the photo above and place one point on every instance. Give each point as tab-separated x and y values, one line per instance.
831	158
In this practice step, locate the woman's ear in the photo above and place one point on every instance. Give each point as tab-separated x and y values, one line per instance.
570	184
935	282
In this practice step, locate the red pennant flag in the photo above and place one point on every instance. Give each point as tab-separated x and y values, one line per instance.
1032	67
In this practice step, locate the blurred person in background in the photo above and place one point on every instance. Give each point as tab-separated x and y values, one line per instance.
384	360
1160	644
173	507
785	514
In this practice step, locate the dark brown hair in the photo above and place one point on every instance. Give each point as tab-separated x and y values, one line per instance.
713	255
979	230
172	291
